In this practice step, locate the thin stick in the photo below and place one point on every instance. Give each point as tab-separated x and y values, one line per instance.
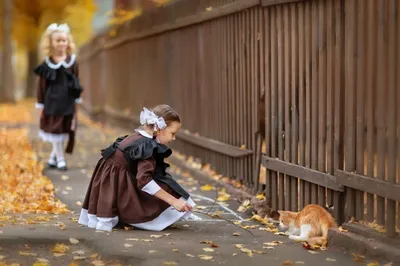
226	220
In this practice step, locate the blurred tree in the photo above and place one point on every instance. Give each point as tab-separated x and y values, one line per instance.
6	84
31	18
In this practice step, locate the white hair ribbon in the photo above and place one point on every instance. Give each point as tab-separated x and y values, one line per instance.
147	117
58	27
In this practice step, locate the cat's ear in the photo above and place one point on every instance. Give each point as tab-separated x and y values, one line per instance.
281	212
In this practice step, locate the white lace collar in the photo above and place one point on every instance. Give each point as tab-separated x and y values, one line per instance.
59	64
145	134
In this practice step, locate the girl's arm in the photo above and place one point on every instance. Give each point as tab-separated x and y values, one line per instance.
40	92
148	185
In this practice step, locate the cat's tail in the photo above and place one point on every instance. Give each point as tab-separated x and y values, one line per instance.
320	240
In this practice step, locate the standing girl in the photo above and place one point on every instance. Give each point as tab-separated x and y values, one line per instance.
58	90
130	183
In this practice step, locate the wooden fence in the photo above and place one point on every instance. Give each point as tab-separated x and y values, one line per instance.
319	76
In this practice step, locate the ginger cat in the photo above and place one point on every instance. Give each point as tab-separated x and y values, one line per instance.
311	224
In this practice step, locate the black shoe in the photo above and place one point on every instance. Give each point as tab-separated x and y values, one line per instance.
50	165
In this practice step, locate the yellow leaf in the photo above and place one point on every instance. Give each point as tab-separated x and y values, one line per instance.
236	234
169	263
206	257
24	253
223	197
73	241
260	196
175	250
208	249
373	263
98	263
60	248
38	263
207	187
358	258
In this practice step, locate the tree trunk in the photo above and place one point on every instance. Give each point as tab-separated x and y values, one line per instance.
31	82
7	85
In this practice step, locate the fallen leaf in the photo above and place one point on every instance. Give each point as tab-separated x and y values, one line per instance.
373	263
167	234
190	255
94	255
128	245
236	234
155	236
358	258
260	196
98	263
273	243
329	259
170	263
79	252
146	240
207	187
60	248
268	247
206	257
287	262
280	234
38	263
68	188
238	246
186	225
24	253
234	254
208	249
73	264
73	241
259	219
64	177
175	250
247	251
132	239
299	262
79	258
209	8
152	251
223	196
313	252
342	230
79	203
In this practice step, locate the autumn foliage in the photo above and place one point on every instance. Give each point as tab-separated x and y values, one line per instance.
23	188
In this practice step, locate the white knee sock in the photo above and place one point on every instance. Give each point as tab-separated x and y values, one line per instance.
60	154
52	158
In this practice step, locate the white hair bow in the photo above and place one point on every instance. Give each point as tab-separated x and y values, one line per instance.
58	27
147	117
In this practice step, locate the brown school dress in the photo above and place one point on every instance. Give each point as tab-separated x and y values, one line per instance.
126	167
58	90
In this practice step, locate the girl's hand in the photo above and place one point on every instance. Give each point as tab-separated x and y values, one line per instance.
182	206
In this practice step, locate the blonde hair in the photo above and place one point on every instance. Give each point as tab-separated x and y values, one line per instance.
45	44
